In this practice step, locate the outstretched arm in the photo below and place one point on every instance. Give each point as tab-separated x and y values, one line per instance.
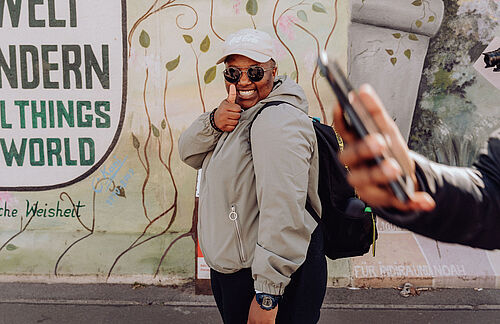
451	204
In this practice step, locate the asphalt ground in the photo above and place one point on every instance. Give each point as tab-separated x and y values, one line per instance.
113	303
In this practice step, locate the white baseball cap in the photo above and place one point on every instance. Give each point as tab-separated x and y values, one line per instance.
252	43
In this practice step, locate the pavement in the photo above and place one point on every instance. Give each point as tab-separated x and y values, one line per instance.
119	303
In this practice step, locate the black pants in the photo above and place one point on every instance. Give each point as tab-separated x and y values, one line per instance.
301	301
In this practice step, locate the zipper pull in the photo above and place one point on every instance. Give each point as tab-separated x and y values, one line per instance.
232	215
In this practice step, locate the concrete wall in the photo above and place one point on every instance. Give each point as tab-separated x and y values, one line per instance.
108	199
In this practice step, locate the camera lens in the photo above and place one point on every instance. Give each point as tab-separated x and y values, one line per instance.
492	58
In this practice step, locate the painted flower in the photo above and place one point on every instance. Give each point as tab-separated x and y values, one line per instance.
279	49
236	7
285	25
6	197
310	61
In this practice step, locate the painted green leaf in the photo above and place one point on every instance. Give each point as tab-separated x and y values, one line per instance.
252	7
187	38
431	18
389	51
302	15
413	37
394	60
408	53
205	44
318	7
417	3
418	23
163	124
173	64
11	247
156	132
135	142
396	35
144	39
210	74
293	75
120	191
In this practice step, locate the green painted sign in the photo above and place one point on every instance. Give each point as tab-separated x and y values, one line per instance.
62	99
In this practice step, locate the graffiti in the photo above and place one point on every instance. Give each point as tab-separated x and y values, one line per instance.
413	271
107	173
119	191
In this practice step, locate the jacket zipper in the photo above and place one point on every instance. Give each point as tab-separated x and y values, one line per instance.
233	216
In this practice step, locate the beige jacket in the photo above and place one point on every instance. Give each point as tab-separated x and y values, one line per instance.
252	202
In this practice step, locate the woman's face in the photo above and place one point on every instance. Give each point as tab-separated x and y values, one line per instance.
248	93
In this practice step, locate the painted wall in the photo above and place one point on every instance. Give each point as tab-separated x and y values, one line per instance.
457	106
97	191
124	212
458	99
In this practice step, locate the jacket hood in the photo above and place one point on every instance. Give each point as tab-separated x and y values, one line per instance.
287	90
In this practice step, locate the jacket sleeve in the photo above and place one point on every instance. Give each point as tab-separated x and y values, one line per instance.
467	201
282	146
197	141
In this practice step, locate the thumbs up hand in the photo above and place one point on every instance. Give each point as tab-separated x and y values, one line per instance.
228	113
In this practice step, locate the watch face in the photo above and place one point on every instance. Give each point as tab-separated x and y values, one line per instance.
267	301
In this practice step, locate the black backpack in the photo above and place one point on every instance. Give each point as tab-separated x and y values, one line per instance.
348	224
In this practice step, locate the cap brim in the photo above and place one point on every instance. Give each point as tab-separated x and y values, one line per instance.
258	57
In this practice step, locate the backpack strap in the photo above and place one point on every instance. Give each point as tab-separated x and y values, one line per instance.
313	213
309	208
267	104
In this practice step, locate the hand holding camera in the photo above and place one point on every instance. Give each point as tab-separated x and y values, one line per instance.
381	169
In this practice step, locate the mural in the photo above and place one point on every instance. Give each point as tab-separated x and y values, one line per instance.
92	104
457	106
129	214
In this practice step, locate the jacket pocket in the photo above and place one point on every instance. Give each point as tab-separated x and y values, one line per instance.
233	216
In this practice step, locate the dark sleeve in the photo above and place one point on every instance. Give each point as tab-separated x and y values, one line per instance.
467	200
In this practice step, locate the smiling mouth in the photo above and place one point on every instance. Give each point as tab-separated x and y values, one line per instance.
244	94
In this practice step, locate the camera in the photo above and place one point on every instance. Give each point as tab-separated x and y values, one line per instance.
492	58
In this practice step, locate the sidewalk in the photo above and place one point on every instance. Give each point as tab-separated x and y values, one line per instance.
108	303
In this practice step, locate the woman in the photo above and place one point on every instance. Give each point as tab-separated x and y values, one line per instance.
264	249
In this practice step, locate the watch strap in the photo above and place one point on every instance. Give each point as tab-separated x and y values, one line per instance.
267	301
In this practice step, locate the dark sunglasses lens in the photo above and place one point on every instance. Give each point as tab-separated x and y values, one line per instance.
255	73
232	75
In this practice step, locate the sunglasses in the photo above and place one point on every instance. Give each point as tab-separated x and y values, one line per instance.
254	73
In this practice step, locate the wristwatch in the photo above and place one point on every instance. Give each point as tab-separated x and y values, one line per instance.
267	301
